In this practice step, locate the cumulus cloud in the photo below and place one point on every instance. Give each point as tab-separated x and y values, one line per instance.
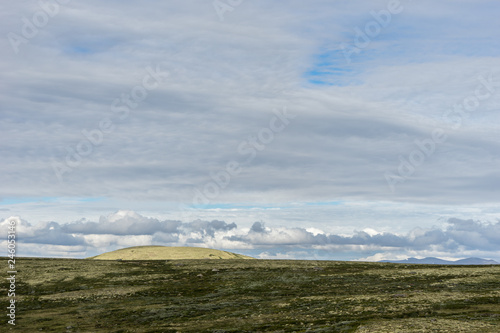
474	234
49	233
457	236
209	228
123	223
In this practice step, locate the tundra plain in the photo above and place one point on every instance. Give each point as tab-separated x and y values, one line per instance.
238	295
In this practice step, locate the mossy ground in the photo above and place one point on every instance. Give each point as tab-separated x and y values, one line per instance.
71	295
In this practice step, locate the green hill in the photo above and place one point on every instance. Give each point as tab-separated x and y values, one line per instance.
167	253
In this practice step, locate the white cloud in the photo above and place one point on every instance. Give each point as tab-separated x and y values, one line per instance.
458	238
315	231
371	232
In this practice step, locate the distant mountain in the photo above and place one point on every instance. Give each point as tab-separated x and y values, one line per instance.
437	261
476	261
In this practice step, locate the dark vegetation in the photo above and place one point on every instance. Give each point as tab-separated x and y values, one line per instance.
75	295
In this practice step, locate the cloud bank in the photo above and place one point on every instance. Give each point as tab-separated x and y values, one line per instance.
126	228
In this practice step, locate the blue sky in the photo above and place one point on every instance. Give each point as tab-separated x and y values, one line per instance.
340	130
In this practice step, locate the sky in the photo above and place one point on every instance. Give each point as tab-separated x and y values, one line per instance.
327	130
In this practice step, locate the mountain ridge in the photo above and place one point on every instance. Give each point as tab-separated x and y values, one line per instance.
437	261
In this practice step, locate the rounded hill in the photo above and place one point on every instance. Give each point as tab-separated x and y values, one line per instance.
167	253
